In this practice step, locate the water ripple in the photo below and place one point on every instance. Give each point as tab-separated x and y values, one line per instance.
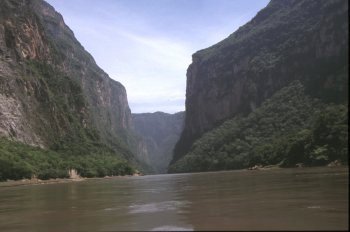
171	228
157	206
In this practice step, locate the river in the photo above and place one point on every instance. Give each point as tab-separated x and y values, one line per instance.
279	199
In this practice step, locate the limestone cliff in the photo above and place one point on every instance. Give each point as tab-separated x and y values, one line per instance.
52	93
158	134
289	40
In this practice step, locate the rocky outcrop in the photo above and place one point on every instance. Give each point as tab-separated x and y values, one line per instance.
288	40
158	134
51	90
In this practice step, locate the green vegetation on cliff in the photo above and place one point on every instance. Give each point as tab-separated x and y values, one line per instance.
287	129
74	143
62	101
18	161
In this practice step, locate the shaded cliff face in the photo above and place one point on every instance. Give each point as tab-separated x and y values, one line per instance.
52	93
288	40
158	134
287	130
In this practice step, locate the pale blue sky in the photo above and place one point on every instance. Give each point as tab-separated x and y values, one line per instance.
147	45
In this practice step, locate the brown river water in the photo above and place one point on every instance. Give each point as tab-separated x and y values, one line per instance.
278	199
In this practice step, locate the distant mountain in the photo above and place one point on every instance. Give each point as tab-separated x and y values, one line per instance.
287	41
159	132
54	96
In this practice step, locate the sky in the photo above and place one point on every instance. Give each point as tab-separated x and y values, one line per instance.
147	45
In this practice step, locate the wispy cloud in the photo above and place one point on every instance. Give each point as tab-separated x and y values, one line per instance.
177	54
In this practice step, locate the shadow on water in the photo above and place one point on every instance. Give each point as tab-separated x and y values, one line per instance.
283	199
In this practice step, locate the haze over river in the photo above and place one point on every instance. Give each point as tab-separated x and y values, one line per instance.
279	199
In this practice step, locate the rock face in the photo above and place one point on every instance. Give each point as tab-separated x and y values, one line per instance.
304	40
158	132
51	90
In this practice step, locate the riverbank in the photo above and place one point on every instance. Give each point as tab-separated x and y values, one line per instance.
335	163
12	183
77	178
35	181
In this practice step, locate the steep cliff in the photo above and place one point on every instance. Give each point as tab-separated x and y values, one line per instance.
52	93
290	128
290	40
158	132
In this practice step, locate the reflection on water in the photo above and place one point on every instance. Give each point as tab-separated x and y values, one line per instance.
171	228
284	199
157	207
